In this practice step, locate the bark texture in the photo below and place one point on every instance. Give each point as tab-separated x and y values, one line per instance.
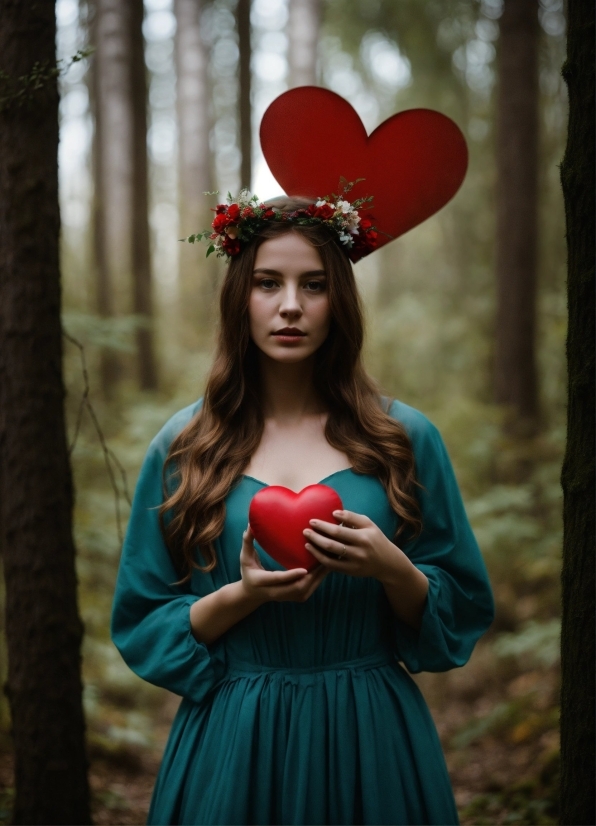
196	274
245	103
304	23
43	627
141	248
577	636
515	372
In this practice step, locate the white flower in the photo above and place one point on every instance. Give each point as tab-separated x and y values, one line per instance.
353	221
320	203
344	206
346	239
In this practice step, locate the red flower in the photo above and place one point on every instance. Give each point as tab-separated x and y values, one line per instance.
323	212
364	243
365	224
234	212
231	245
248	212
220	222
220	208
268	214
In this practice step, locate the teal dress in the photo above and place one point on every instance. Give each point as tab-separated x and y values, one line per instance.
302	713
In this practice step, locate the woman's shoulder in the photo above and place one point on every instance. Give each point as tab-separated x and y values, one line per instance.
417	425
174	425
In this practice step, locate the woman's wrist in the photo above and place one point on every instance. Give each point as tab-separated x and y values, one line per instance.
214	614
247	596
396	567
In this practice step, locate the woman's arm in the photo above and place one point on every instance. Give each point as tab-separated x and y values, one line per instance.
212	615
363	550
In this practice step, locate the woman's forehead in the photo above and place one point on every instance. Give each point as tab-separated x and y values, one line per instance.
289	251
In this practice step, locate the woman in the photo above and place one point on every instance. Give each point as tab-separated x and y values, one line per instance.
295	708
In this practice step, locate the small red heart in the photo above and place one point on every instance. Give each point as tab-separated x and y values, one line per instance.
277	517
412	164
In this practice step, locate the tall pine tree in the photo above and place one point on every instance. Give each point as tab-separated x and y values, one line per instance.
43	627
577	635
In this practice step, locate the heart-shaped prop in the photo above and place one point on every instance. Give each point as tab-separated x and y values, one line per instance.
277	517
412	164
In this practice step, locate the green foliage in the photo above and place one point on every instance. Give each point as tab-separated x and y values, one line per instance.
535	641
24	90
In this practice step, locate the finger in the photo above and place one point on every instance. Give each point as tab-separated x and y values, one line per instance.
352	520
324	542
329	562
342	533
248	552
279	578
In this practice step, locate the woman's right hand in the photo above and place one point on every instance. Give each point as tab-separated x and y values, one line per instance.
295	585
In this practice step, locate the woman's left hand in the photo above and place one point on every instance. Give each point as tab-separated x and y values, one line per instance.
357	547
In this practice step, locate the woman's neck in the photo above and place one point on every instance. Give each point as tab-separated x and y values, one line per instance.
288	391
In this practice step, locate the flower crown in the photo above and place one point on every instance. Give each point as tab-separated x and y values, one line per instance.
238	221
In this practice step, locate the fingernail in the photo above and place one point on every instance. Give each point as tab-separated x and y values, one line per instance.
306	532
313	522
337	513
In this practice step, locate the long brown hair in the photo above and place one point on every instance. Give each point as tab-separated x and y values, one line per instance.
209	455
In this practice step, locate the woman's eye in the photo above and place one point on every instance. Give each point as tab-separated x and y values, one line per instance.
315	286
267	283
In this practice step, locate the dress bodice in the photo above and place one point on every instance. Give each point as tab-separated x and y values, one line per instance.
346	618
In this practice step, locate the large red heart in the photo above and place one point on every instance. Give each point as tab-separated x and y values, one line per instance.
412	164
277	517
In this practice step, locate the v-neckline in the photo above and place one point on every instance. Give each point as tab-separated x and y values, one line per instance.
320	482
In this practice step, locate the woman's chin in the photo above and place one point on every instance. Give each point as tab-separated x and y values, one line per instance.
288	354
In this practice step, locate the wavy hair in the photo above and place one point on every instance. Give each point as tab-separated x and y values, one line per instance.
209	455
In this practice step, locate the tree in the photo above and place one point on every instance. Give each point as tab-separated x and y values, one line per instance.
577	634
194	160
303	30
112	226
141	251
121	228
43	627
515	374
245	103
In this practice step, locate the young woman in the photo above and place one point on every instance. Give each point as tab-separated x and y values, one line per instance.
296	709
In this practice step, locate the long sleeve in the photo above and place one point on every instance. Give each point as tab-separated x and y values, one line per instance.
151	615
459	606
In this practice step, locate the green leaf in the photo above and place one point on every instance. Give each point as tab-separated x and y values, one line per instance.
210	250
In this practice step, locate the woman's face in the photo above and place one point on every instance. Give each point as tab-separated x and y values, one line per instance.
289	305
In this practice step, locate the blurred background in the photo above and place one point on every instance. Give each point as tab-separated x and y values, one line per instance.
162	104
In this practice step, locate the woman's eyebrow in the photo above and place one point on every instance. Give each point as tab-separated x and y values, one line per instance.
308	274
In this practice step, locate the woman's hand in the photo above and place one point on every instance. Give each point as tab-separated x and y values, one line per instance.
363	550
295	585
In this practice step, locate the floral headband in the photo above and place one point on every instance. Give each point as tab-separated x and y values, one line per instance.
238	221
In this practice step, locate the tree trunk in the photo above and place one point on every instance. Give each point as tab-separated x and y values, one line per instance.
109	364
43	627
577	635
141	248
195	275
516	384
112	166
245	107
303	30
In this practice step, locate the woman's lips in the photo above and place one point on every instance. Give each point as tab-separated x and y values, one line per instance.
289	336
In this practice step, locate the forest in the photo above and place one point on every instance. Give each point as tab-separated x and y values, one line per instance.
159	107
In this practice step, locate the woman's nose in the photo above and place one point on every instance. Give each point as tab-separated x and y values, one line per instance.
290	305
